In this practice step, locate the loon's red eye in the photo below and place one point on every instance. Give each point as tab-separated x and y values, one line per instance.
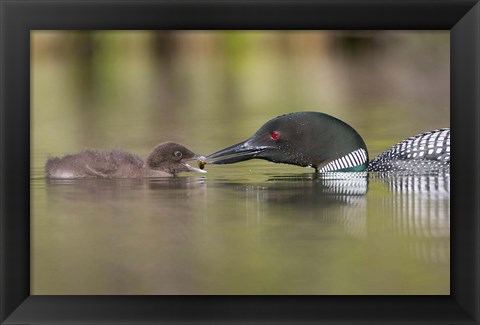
275	135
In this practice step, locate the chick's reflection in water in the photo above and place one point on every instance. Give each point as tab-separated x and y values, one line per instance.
130	229
120	188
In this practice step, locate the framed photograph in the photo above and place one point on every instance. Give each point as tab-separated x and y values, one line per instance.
235	161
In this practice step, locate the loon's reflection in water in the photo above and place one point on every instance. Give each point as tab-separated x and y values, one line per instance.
420	209
301	233
417	205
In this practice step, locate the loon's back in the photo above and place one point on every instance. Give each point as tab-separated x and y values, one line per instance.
428	151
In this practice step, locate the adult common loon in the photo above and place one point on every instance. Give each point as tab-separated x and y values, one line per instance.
323	142
165	160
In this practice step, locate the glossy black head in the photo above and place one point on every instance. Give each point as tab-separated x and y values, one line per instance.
172	157
303	139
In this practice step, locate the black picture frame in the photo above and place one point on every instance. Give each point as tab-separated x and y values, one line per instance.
18	17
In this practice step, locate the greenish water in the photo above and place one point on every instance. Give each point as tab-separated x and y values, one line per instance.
251	230
248	228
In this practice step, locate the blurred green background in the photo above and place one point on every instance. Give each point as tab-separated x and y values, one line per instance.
134	89
240	229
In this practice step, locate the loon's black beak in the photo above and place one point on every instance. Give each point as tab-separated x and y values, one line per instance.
236	153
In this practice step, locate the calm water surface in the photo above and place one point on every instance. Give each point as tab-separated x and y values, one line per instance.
249	229
253	227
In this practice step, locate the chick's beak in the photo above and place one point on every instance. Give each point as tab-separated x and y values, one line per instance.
191	168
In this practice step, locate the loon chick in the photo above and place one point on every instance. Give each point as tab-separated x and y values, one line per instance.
165	160
323	142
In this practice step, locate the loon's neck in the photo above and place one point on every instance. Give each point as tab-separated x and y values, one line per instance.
427	151
355	161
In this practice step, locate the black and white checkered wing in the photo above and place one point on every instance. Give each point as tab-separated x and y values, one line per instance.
429	151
